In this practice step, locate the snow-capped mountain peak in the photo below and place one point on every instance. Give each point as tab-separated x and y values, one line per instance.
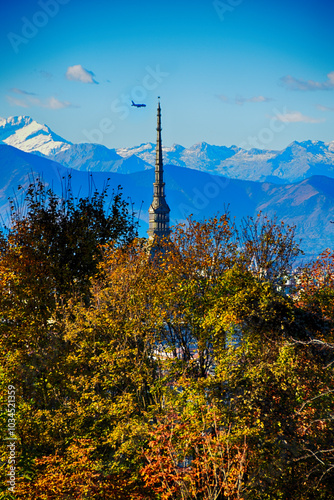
26	134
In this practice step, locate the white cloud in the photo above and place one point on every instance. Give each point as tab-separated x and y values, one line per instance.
54	103
17	102
296	117
223	97
30	100
240	100
22	92
325	108
80	74
293	83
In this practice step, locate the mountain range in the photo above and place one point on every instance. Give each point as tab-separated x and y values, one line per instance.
298	161
297	196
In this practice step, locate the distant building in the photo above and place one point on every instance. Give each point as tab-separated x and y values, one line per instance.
159	210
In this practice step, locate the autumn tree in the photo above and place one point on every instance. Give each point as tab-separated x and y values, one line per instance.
190	373
65	233
268	385
48	255
316	293
269	247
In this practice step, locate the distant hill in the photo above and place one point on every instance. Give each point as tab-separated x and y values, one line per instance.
309	203
299	161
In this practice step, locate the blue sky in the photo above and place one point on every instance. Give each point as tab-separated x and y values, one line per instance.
252	73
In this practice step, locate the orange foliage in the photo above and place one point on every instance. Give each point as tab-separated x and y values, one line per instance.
76	475
184	462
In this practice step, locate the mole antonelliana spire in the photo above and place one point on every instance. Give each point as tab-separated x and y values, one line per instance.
159	210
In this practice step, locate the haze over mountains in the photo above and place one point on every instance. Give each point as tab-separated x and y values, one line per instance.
297	183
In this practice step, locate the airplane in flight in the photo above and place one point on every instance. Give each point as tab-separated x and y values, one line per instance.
138	105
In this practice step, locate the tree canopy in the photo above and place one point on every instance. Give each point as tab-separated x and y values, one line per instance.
193	372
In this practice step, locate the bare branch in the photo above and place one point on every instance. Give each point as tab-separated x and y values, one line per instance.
312	399
314	342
